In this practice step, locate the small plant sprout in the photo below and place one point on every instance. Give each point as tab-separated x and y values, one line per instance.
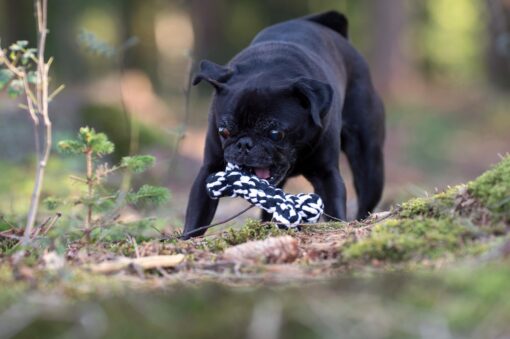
93	146
24	71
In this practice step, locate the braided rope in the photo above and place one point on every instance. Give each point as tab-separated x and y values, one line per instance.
287	209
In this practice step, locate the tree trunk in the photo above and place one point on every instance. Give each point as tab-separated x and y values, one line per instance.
139	18
207	17
390	64
498	50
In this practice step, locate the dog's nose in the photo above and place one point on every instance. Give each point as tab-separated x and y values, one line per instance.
245	144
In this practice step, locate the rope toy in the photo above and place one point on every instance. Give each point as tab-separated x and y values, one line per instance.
287	209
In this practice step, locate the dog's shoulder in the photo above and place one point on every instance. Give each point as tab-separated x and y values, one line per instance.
331	19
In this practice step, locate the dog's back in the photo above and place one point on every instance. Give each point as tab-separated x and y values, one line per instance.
323	37
319	33
333	20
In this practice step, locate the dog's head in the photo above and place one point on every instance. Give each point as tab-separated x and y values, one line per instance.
263	124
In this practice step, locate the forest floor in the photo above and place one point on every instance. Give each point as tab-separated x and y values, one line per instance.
431	267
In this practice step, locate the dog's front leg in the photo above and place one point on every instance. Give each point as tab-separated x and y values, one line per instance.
201	208
329	185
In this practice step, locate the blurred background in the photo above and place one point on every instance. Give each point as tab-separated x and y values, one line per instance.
441	66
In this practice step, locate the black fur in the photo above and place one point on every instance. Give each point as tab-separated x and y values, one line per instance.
303	78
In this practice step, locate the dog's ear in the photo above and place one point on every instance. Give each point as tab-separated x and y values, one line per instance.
214	74
317	97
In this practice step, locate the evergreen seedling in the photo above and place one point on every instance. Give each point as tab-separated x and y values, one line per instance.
93	146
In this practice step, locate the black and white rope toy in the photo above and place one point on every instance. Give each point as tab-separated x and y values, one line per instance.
287	209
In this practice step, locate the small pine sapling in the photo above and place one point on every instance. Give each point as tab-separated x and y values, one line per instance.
93	146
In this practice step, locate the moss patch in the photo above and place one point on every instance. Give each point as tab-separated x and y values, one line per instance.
460	219
397	240
438	205
252	230
493	189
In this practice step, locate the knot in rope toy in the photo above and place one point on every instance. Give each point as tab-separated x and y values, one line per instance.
287	209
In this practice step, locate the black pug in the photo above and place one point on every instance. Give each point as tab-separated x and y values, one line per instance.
285	106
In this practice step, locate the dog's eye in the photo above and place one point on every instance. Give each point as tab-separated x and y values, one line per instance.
224	132
276	135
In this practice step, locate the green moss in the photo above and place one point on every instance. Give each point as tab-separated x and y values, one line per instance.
398	240
252	230
493	188
433	226
437	205
417	206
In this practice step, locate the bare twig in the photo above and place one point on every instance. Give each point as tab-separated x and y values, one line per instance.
56	92
38	229
40	111
75	178
31	110
10	65
52	222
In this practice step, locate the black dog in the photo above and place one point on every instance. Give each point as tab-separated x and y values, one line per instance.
285	106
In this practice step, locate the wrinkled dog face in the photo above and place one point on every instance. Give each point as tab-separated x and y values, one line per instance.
263	127
260	131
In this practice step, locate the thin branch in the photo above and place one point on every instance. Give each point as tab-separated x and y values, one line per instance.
11	65
38	229
51	223
30	104
56	92
75	178
50	62
42	109
101	173
45	222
